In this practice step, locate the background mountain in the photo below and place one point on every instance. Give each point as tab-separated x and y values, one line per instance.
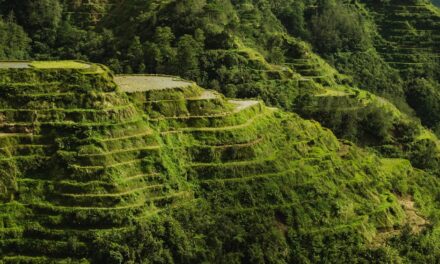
367	70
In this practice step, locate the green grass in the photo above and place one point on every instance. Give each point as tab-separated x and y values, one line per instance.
59	65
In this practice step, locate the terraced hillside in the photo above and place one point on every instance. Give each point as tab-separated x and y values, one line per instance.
104	169
88	12
410	32
250	161
78	160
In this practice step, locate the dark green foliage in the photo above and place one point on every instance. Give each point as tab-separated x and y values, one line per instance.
420	248
42	13
424	155
291	14
14	42
423	95
370	125
371	73
337	28
188	53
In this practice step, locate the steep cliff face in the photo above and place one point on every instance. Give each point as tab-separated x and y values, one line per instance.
104	169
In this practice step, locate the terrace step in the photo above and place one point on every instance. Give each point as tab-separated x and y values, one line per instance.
30	125
410	29
239	105
116	194
103	167
115	156
262	176
111	199
119	185
233	169
225	128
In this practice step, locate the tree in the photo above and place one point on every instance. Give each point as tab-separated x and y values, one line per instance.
14	42
188	51
423	154
43	13
159	54
292	17
135	55
337	28
423	95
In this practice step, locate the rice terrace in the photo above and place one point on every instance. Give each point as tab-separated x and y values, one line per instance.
183	132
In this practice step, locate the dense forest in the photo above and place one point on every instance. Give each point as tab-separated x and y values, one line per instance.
357	140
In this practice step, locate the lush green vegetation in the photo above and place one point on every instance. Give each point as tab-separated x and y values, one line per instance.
14	42
174	173
244	49
183	175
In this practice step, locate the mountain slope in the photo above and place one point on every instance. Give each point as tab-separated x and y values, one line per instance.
367	70
113	167
78	160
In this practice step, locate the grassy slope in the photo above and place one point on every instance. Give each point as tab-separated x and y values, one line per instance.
274	178
96	172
